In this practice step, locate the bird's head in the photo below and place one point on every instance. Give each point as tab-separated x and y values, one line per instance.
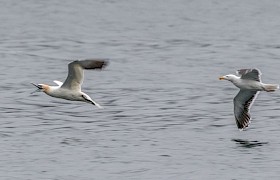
41	88
229	77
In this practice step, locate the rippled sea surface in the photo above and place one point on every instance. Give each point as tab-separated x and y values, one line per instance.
166	115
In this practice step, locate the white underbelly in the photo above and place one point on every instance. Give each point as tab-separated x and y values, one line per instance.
249	85
66	94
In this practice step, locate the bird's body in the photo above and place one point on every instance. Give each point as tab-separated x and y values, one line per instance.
71	88
249	84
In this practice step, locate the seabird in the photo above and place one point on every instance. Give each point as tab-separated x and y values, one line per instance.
249	84
71	88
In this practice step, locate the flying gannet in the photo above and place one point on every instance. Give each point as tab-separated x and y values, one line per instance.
71	88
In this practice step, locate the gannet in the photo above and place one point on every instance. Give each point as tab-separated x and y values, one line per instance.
71	88
249	84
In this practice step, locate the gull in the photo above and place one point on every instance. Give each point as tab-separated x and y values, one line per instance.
250	85
71	88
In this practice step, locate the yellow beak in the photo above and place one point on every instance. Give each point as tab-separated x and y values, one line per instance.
222	78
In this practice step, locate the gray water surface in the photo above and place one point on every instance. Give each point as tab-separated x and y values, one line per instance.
166	116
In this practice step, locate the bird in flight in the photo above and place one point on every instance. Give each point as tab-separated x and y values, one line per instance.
71	88
249	84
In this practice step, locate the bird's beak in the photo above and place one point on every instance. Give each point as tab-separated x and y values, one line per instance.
222	78
40	88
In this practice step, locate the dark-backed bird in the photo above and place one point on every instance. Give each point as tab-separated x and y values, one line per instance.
249	84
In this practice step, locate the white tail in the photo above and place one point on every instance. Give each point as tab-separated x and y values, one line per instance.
97	105
270	87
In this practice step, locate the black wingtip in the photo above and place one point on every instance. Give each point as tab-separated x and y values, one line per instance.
94	63
103	63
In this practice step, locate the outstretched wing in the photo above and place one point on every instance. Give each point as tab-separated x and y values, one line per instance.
75	76
242	104
250	74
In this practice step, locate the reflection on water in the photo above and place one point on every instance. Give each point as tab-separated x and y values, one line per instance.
249	144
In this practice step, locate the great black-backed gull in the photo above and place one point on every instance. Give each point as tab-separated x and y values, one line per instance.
249	84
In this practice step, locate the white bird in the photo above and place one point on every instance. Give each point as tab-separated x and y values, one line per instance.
249	84
71	88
